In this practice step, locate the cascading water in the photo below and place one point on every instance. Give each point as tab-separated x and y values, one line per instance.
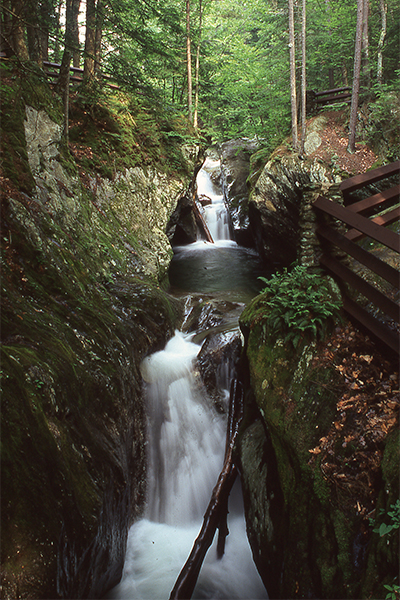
186	445
215	213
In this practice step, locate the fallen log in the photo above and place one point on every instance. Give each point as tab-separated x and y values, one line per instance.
201	223
216	513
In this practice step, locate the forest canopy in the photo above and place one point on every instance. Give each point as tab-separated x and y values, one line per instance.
237	81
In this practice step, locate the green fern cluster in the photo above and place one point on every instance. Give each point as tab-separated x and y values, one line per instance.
300	304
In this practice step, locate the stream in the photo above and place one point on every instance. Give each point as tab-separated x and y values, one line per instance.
187	429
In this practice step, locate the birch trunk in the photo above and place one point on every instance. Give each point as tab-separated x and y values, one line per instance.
303	78
189	62
383	9
293	96
197	72
356	78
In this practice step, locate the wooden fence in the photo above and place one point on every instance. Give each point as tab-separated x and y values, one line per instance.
52	69
316	100
358	226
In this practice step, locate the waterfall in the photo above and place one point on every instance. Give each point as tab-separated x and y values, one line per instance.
212	200
185	449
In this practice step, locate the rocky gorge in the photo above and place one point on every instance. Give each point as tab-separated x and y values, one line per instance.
84	299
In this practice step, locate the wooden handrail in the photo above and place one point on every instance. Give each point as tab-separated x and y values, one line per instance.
332	91
374	228
358	181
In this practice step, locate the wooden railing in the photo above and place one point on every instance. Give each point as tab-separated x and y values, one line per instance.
316	100
52	69
359	225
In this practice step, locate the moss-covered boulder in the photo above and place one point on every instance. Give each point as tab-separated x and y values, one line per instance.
305	541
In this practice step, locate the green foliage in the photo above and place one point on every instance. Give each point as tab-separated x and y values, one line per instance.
393	592
383	122
299	305
394	515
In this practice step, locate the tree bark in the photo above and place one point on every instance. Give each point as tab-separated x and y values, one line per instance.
189	62
17	34
197	71
90	40
303	78
62	87
379	71
365	45
76	52
293	97
99	36
356	78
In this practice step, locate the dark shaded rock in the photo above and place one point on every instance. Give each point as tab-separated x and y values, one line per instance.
182	227
277	204
216	360
235	169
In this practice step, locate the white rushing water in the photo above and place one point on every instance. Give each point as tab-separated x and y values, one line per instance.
215	214
186	443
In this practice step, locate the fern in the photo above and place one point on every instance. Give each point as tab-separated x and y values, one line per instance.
299	304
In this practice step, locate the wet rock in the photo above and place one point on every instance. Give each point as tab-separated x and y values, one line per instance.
216	360
81	305
235	169
277	203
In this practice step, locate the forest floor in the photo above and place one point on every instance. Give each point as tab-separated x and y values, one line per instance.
333	149
368	408
367	411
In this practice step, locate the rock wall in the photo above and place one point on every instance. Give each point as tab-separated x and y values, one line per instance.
82	303
280	215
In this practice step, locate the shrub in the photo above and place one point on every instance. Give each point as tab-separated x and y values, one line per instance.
300	304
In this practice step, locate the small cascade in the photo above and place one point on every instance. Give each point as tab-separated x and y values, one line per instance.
186	444
212	202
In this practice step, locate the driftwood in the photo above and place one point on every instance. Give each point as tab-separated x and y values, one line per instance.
201	223
217	510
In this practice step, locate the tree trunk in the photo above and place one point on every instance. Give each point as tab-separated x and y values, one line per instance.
99	36
303	78
90	40
189	62
33	31
379	71
62	87
365	46
45	11
17	36
356	78
57	45
197	72
331	71
76	53
293	96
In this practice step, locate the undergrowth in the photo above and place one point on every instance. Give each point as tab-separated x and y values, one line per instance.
299	304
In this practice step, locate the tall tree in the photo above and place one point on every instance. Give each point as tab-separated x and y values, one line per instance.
356	77
293	95
383	9
99	35
365	45
189	62
197	69
90	40
72	8
16	32
76	51
303	78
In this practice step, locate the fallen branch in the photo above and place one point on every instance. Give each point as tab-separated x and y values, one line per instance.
216	513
